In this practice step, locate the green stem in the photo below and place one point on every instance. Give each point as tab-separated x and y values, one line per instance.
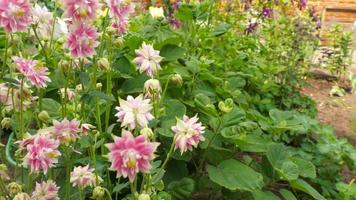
30	183
42	47
5	56
22	125
133	189
108	106
8	150
80	194
40	97
164	90
68	166
108	193
171	150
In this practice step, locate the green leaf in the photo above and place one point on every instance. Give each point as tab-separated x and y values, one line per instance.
52	107
234	175
172	52
234	117
181	189
306	168
277	155
134	85
287	194
301	185
220	29
261	195
289	170
184	13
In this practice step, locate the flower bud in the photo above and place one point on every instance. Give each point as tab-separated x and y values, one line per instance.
98	193
2	198
22	196
67	94
4	172
44	116
79	88
147	132
103	64
152	89
226	106
6	123
99	86
177	80
144	197
14	188
64	65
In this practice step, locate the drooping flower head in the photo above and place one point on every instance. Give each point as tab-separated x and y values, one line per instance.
120	25
34	71
45	191
66	131
188	133
121	8
42	154
153	88
134	112
83	177
129	155
82	41
15	15
80	10
10	97
148	59
21	196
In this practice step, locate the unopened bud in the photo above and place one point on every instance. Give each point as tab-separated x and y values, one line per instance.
177	79
147	132
153	88
6	123
79	88
14	188
98	193
144	197
226	106
22	196
103	64
44	116
99	86
4	172
64	65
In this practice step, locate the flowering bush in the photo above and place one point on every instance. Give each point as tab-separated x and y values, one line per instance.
103	100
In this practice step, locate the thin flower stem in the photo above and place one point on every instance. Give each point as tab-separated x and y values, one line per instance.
30	183
164	90
108	193
68	166
5	56
171	150
42	47
22	125
133	189
80	194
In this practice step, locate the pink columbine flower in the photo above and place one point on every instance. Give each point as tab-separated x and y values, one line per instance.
129	155
188	133
83	177
45	191
148	59
121	8
15	15
81	10
42	154
68	94
10	97
120	25
82	41
34	71
134	112
85	128
66	131
22	196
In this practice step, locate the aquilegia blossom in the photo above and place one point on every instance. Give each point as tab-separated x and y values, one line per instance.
129	155
83	177
134	112
121	8
21	196
42	154
15	15
148	59
66	131
82	41
80	10
34	71
188	133
45	191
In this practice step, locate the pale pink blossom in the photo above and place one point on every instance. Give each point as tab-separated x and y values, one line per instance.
152	88
83	177
42	154
82	41
188	133
85	128
134	112
148	59
22	196
34	71
66	131
10	97
120	25
129	155
45	191
80	10
121	8
68	94
15	15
